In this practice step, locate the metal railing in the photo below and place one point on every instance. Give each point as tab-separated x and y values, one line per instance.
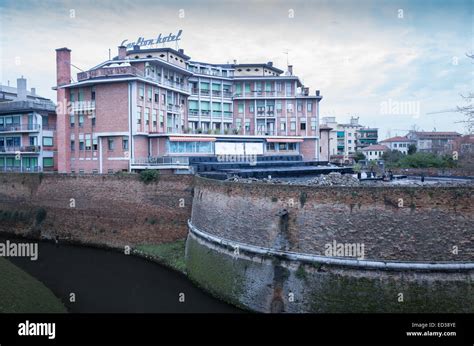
78	106
161	161
21	149
18	169
20	127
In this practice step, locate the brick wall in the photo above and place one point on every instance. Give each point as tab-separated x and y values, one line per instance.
109	210
430	222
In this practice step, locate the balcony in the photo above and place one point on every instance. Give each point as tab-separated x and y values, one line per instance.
261	93
173	108
18	169
83	106
20	128
216	93
20	149
160	162
128	71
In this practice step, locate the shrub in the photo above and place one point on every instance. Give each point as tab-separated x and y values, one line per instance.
149	175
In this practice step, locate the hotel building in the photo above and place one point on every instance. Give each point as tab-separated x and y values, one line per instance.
27	130
156	108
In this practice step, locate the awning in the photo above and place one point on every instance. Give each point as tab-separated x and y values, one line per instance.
284	140
192	139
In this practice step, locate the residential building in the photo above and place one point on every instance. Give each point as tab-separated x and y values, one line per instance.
398	143
151	106
433	142
366	136
374	152
27	130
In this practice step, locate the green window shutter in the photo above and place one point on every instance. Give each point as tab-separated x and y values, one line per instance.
48	162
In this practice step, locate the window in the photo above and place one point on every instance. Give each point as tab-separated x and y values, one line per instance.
81	143
93	94
293	126
48	141
141	92
125	143
154	118
149	92
72	120
288	88
251	107
314	124
139	115
81	120
303	126
44	121
111	144
247	125
71	96
95	171
278	106
238	123
299	105
289	106
157	97
94	143
240	107
271	147
88	142
48	162
349	141
309	106
283	126
147	116
73	145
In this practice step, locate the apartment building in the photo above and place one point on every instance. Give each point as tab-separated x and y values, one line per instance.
155	108
27	130
398	143
434	142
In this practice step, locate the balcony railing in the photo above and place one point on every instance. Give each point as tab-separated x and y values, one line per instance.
18	169
128	71
21	149
81	106
262	93
161	161
19	128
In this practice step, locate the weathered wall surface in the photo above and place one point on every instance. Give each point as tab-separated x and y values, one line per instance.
393	223
425	228
101	210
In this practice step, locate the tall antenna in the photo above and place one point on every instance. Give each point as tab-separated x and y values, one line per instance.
109	54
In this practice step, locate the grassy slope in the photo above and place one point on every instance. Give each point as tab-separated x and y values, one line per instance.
22	293
170	254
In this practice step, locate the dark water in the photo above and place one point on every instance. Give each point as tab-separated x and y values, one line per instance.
109	281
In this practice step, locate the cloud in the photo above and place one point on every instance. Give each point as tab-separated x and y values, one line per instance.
358	54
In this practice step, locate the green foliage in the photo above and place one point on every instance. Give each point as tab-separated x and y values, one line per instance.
170	254
392	156
426	160
411	149
22	293
149	175
301	273
359	156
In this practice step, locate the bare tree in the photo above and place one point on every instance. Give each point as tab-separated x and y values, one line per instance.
468	110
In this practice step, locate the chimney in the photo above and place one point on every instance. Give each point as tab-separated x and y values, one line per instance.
290	69
181	51
33	91
63	66
270	63
136	47
21	88
305	91
122	52
317	92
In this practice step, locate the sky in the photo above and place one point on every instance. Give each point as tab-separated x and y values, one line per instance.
390	63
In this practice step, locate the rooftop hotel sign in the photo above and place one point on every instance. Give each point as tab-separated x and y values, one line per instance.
150	42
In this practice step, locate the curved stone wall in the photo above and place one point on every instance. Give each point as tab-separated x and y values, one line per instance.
264	247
